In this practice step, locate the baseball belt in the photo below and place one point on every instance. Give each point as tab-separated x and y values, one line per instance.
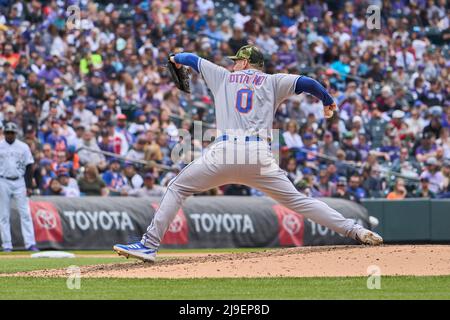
10	178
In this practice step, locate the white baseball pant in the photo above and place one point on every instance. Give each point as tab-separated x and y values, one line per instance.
240	162
17	190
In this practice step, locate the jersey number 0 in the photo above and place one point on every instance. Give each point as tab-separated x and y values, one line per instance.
244	100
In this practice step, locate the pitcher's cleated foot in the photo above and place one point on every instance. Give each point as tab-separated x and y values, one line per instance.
368	237
136	250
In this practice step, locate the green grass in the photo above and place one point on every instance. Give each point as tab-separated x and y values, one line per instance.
166	251
259	288
12	265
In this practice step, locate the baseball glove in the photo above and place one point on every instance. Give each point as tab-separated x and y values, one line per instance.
180	76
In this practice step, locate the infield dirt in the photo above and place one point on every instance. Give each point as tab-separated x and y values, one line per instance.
328	261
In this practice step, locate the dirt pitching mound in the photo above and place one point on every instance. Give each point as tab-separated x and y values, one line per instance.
330	261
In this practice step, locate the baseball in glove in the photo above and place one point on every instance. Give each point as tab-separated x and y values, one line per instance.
179	75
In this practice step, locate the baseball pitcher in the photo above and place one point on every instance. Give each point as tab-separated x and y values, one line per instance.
15	182
245	101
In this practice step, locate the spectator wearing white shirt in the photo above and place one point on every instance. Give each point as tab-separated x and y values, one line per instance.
69	185
267	43
86	116
405	58
149	189
133	179
138	152
291	137
87	156
433	174
204	5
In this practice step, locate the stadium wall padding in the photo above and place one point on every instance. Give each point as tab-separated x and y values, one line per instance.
411	220
203	222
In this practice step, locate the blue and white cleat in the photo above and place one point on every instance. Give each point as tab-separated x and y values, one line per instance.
136	250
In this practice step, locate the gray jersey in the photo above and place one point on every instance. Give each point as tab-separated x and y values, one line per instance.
14	158
246	100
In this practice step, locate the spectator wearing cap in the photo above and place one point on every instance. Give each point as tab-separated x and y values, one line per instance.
391	146
328	146
427	147
9	113
351	152
363	146
399	192
435	125
105	142
55	139
405	58
91	183
397	119
68	184
405	164
376	127
45	173
325	187
118	140
341	190
79	131
138	150
95	87
140	124
355	188
87	156
308	153
133	180
121	128
114	178
424	190
434	96
49	73
73	158
149	189
50	104
86	116
433	174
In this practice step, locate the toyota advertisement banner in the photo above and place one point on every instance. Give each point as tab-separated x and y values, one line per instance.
202	222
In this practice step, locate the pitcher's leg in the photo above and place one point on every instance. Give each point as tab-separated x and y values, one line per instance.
26	222
277	186
5	214
198	176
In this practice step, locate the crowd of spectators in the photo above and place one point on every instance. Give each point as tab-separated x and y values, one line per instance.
82	81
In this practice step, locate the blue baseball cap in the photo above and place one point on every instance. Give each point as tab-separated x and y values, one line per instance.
45	162
307	171
114	160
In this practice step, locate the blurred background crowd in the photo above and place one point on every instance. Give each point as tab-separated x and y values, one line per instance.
95	103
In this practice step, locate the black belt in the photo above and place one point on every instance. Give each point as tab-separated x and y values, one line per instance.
10	178
247	138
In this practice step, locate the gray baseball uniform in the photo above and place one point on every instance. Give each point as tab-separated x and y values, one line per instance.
245	103
14	158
